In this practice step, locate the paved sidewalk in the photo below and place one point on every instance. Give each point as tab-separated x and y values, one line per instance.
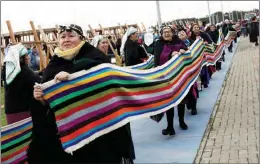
152	147
233	137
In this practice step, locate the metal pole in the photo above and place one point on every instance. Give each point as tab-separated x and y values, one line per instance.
209	13
213	19
223	18
158	14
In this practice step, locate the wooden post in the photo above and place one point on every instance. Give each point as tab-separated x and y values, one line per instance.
11	32
38	45
49	47
48	55
121	29
57	28
54	36
139	29
143	27
118	58
103	31
126	26
92	31
87	38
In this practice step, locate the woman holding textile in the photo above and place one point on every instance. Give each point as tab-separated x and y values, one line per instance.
214	34
194	92
73	55
195	34
166	47
130	49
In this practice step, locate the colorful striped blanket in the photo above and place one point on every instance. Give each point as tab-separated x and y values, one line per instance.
107	97
94	102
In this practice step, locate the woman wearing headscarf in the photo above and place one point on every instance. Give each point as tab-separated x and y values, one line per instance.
73	55
227	26
165	48
101	43
130	50
19	80
194	92
195	34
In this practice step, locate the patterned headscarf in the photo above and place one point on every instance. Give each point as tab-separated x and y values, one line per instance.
71	27
166	27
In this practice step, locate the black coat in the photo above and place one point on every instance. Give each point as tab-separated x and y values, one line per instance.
254	31
159	48
133	53
214	35
19	93
46	146
203	35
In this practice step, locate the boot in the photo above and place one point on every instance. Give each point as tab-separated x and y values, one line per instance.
181	112
183	125
188	106
194	108
194	111
169	130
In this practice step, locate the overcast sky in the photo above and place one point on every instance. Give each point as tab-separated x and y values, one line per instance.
107	13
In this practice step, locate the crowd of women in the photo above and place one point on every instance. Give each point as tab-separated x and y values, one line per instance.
23	98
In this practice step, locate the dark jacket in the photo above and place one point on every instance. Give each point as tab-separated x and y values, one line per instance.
19	93
159	48
226	28
46	146
203	35
118	45
254	31
133	53
214	35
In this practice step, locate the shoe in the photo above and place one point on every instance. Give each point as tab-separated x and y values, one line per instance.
194	111
168	132
183	126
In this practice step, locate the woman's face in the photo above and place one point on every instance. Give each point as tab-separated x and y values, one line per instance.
103	45
212	28
182	35
196	29
69	40
167	34
26	59
134	36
